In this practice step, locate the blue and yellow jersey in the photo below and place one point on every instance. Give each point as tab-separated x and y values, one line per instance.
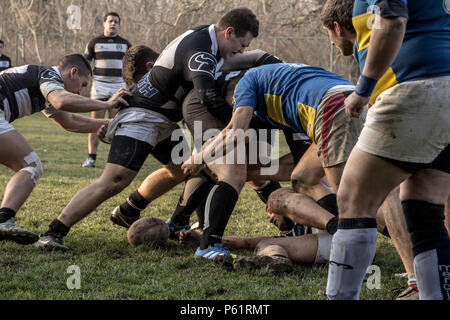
286	95
425	52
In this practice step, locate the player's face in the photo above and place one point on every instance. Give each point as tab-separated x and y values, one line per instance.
111	25
74	82
343	44
234	44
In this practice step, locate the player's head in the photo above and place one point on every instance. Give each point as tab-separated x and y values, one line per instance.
75	72
137	61
111	24
2	46
337	21
230	85
235	30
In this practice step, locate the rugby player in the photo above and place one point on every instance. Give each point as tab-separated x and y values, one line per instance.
107	51
403	52
55	91
190	61
297	97
5	61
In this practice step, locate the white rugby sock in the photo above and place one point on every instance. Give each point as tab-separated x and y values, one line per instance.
433	276
352	251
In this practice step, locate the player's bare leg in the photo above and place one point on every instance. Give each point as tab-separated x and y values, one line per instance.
16	155
300	209
93	142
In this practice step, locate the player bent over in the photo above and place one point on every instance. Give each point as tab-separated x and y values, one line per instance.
54	90
298	97
146	126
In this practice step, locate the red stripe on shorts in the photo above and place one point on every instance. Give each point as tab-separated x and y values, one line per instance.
333	104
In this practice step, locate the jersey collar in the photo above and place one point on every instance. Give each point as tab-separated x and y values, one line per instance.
57	71
215	46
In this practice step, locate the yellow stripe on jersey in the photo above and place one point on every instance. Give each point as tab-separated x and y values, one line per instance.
273	104
360	23
307	115
387	81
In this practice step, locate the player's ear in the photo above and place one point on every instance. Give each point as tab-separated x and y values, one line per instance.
228	32
337	29
149	65
73	71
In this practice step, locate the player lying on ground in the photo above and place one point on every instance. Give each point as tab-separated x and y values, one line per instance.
146	126
55	91
279	253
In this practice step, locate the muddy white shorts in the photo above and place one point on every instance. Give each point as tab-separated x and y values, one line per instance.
409	122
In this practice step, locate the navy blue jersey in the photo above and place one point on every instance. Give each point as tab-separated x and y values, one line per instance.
24	90
425	51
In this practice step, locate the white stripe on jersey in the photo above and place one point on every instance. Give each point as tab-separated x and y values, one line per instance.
109	79
23	102
108	64
21	69
4	64
167	58
6	110
110	47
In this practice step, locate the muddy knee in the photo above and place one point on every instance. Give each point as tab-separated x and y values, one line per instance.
277	201
268	248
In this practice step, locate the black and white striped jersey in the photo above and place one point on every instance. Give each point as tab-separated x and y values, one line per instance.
24	90
5	62
107	53
192	56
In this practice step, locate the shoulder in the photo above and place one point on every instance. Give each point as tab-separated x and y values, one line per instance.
119	39
199	39
97	39
47	73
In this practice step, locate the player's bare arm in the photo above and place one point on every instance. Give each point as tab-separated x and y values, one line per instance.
240	120
385	43
77	123
67	101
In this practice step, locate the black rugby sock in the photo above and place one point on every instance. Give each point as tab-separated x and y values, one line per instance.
58	228
6	214
134	204
265	191
194	194
219	206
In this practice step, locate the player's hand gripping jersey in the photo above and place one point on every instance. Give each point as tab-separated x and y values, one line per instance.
24	90
191	60
286	95
428	28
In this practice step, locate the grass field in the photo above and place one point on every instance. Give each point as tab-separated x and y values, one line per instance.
112	269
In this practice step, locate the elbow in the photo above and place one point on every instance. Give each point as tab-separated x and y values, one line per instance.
399	23
395	24
60	103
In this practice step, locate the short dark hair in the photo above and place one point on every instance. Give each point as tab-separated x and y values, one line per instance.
135	62
75	60
340	11
114	14
243	20
1	41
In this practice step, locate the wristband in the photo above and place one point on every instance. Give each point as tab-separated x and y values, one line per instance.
365	86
